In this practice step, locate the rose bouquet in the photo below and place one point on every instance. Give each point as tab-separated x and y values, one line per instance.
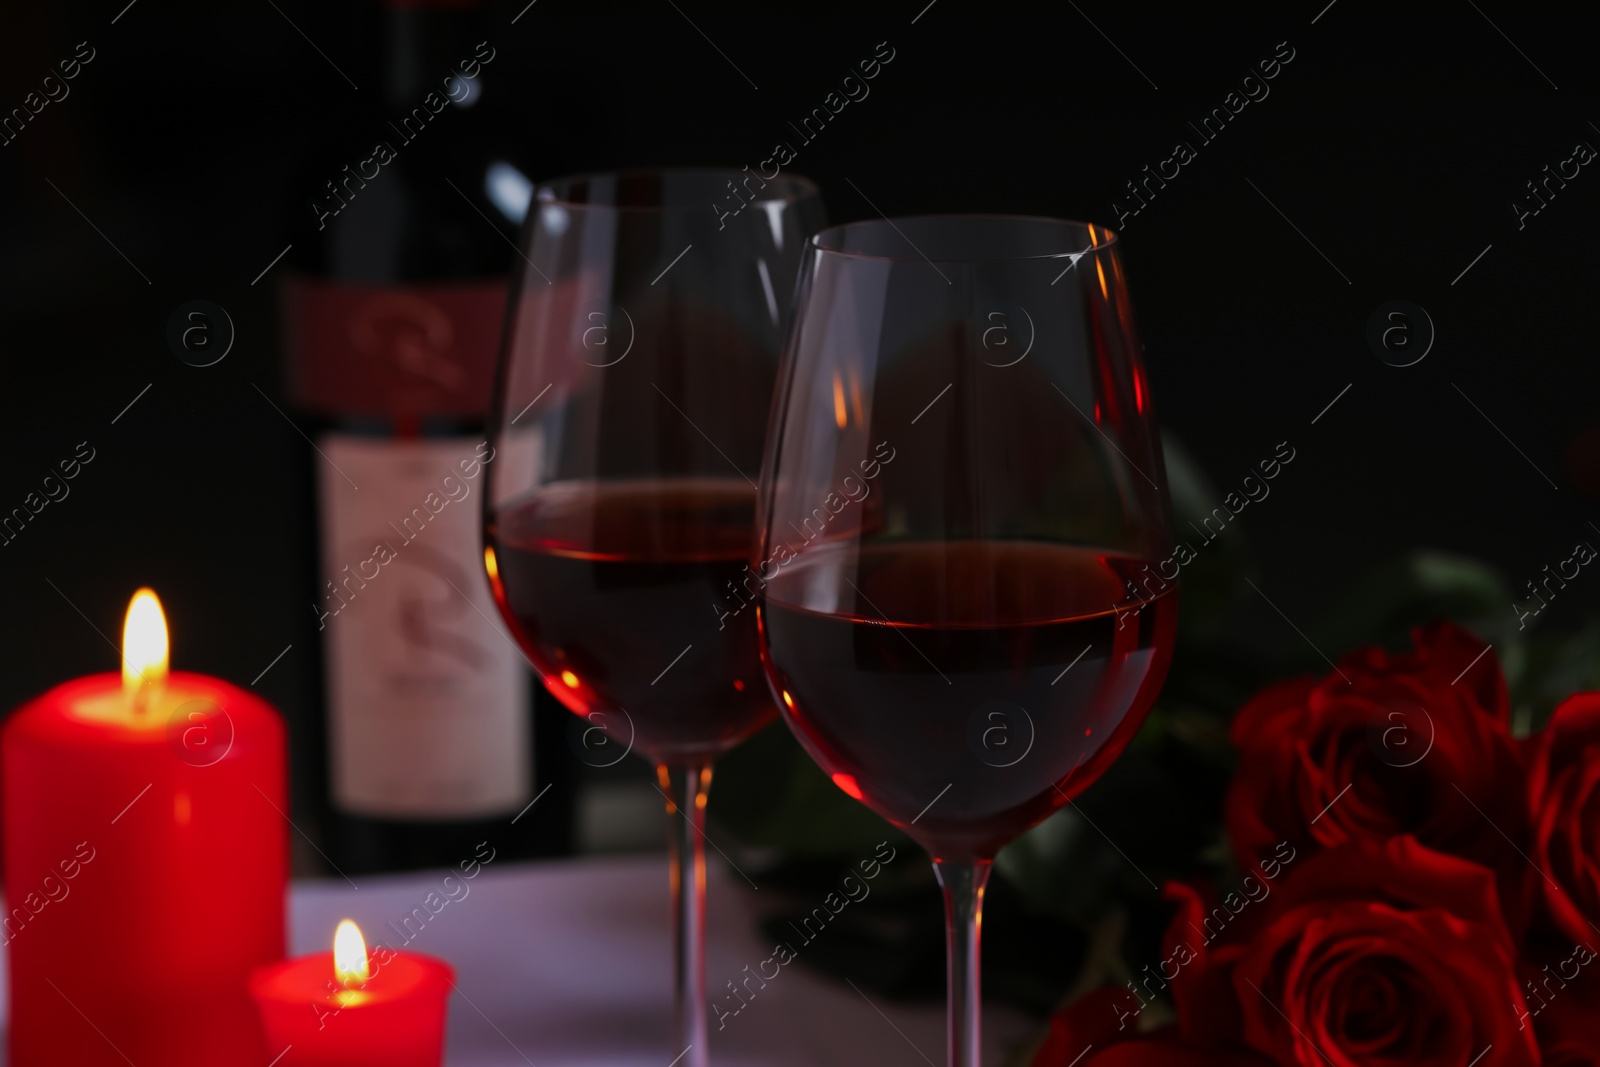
1418	887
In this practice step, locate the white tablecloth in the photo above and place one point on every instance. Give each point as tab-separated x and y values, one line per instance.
569	963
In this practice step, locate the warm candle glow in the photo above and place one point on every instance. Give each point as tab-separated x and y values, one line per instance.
349	955
144	645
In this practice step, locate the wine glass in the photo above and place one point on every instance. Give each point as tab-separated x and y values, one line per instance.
968	589
631	407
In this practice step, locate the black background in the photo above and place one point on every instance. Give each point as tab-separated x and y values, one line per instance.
1395	141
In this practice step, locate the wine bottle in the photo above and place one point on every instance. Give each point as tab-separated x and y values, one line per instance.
391	316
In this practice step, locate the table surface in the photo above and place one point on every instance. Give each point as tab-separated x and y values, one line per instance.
569	963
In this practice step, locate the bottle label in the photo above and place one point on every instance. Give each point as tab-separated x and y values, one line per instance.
427	695
384	351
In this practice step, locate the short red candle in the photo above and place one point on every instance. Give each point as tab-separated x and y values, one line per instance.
145	865
395	1018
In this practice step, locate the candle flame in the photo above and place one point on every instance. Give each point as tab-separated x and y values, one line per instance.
349	955
144	645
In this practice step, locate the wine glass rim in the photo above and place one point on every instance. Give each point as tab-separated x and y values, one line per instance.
794	188
829	240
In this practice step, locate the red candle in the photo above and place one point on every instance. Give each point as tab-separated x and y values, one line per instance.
145	862
347	1009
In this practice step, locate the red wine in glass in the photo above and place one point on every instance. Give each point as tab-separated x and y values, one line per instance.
630	411
624	594
969	590
999	677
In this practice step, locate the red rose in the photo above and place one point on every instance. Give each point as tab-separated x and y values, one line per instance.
1094	1019
1363	957
1412	743
1096	1031
1568	1022
1208	1011
1564	796
1159	1053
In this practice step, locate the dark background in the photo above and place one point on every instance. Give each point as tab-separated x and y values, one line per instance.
1395	141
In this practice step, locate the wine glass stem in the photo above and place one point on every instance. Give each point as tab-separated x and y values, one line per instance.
963	882
686	786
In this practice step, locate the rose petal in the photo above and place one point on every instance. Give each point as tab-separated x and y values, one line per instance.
1317	770
1099	1018
1563	790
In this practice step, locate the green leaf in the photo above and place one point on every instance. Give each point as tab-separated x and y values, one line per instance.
1423	585
1553	665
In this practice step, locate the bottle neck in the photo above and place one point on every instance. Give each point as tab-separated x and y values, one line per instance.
429	47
